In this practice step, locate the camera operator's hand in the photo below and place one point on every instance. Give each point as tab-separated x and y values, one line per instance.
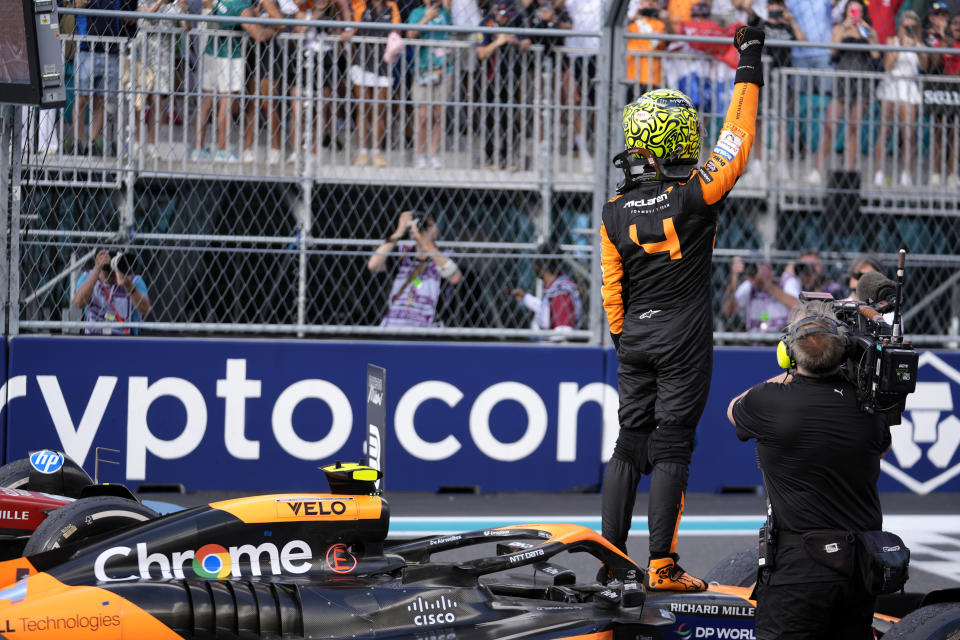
403	224
749	44
127	282
518	294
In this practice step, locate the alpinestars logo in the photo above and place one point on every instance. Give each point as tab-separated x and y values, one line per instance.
430	612
925	444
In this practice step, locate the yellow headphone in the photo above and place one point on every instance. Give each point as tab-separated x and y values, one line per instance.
801	328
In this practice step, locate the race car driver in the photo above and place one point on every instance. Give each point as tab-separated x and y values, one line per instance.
657	241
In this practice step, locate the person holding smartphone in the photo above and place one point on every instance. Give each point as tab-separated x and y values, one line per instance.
432	81
849	92
899	93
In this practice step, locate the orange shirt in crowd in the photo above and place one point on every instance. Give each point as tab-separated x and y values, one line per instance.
644	69
679	10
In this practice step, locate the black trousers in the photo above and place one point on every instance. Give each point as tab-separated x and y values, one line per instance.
662	396
502	126
814	611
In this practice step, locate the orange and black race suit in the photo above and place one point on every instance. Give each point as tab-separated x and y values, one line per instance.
657	243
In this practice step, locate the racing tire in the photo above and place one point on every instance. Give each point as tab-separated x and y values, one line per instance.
86	518
16	474
739	569
933	622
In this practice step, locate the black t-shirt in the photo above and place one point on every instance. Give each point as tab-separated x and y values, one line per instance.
819	452
506	62
779	56
536	21
101	26
820	455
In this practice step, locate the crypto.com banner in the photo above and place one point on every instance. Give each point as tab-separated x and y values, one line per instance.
263	415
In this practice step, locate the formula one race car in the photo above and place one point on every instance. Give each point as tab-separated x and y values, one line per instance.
312	565
319	565
47	500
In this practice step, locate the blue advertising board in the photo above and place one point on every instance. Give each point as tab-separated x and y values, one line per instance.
263	415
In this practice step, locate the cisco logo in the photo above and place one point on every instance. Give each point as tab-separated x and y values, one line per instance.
46	461
432	612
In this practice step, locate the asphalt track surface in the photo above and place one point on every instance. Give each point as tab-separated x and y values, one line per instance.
713	525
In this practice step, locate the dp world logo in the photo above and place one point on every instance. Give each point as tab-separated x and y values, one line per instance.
926	443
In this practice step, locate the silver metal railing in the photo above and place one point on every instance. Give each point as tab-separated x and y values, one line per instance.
271	235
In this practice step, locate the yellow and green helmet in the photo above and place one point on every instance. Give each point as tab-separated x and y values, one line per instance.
665	124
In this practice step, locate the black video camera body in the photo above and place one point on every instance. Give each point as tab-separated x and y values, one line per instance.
122	262
882	367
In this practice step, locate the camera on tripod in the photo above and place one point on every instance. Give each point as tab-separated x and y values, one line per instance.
879	362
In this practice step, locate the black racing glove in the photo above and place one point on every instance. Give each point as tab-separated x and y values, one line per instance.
616	340
749	43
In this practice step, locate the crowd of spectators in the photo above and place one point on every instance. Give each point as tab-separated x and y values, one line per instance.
216	66
758	300
840	94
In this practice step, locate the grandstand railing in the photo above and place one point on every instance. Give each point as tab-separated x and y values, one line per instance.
280	224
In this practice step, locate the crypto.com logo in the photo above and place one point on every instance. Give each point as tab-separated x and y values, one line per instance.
930	429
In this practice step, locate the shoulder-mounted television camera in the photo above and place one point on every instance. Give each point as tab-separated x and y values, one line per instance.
879	362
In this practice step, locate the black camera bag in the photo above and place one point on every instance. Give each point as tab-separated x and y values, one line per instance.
884	561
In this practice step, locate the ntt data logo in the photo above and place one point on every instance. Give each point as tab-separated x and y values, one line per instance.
926	443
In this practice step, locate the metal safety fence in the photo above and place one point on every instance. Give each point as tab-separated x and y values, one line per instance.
254	174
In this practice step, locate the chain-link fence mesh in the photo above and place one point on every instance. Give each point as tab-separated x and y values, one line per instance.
254	175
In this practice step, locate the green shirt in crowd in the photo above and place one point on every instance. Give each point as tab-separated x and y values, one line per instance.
227	46
432	57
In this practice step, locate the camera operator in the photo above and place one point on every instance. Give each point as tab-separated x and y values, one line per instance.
820	458
110	292
417	285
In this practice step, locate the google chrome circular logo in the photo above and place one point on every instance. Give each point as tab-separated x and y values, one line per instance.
211	561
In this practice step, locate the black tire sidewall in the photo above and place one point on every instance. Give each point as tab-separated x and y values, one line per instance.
86	518
16	474
739	569
932	622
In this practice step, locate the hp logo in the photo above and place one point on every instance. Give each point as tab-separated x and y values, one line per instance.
46	461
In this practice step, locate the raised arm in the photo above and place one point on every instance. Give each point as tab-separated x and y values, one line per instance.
728	160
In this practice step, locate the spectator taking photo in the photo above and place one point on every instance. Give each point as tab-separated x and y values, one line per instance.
418	284
111	292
